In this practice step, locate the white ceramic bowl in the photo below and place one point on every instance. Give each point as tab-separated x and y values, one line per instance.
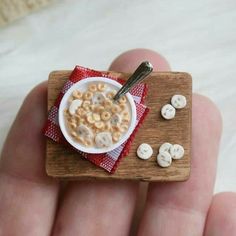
82	86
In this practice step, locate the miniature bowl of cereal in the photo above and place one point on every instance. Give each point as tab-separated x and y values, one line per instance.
89	118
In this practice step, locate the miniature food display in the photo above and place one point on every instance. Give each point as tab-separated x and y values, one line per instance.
92	117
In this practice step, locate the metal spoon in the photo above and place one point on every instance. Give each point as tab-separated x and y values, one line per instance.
144	69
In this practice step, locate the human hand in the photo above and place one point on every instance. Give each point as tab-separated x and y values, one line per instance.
33	204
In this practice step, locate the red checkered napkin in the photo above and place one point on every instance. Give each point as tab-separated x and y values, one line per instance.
110	160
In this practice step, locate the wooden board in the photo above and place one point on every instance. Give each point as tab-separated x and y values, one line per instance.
64	163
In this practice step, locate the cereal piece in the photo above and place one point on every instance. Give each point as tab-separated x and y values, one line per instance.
107	108
73	134
99	124
66	112
94	129
93	88
103	139
101	109
78	118
98	98
107	126
122	106
77	94
125	122
176	151
115	109
115	128
92	107
115	119
73	125
125	113
79	139
85	132
82	121
96	117
70	99
122	100
86	104
144	151
88	95
74	106
73	120
116	136
69	119
168	112
107	103
123	128
105	115
126	116
164	159
178	101
90	119
88	142
81	112
111	94
102	87
96	108
165	147
74	93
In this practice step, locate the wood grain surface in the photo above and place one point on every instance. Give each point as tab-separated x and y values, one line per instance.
62	162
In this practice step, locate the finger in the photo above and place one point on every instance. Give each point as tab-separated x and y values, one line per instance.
131	59
27	195
99	208
127	62
181	208
96	208
222	215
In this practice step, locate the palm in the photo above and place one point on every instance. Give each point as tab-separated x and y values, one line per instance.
34	204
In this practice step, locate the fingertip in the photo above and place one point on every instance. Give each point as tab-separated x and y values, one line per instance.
224	200
130	60
39	88
38	93
222	215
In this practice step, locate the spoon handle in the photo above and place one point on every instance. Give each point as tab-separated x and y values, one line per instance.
144	69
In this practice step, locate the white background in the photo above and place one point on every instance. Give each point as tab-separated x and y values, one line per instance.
195	36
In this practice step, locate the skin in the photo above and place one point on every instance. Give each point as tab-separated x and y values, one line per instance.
34	204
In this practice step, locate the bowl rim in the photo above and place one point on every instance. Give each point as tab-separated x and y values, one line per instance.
63	105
